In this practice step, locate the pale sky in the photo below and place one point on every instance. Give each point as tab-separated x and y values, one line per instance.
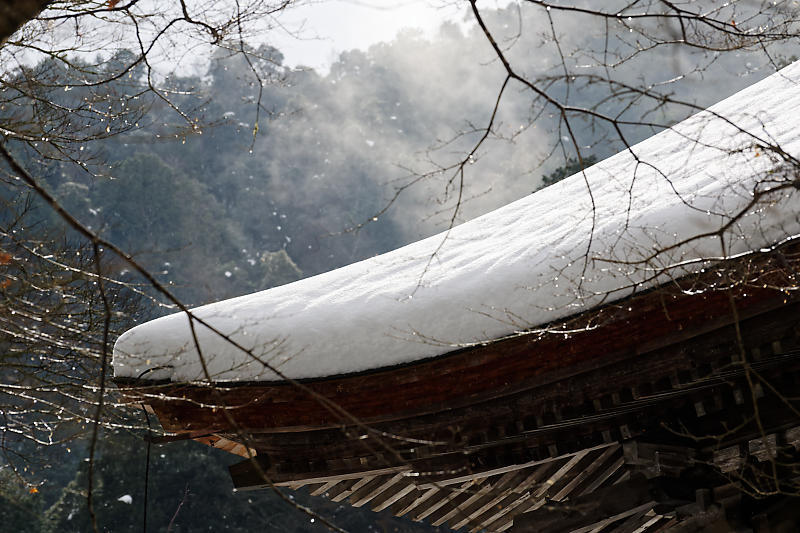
329	27
309	32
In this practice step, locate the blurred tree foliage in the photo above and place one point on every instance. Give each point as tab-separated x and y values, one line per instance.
211	220
189	491
573	166
20	508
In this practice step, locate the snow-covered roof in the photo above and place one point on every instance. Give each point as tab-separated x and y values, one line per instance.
513	269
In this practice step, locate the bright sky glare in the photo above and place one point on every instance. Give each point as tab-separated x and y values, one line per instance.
324	28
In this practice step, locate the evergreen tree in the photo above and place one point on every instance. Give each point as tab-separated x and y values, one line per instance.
20	508
572	166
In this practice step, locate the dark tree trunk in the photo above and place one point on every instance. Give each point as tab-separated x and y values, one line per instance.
15	13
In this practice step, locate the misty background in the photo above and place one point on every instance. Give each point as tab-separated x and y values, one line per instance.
222	211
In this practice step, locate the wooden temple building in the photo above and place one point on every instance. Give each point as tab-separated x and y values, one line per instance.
672	410
676	408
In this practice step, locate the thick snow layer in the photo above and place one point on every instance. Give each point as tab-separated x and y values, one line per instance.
518	267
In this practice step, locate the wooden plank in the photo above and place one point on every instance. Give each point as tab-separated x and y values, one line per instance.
505	526
473	516
460	509
607	473
394	498
592	510
446	496
529	505
621	477
344	476
793	437
357	485
559	474
370	492
510	468
463	507
222	443
340	487
425	496
585	473
405	501
633	523
325	487
602	524
644	527
729	459
538	496
314	486
763	448
497	519
658	459
532	479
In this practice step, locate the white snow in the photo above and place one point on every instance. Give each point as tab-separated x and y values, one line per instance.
519	267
